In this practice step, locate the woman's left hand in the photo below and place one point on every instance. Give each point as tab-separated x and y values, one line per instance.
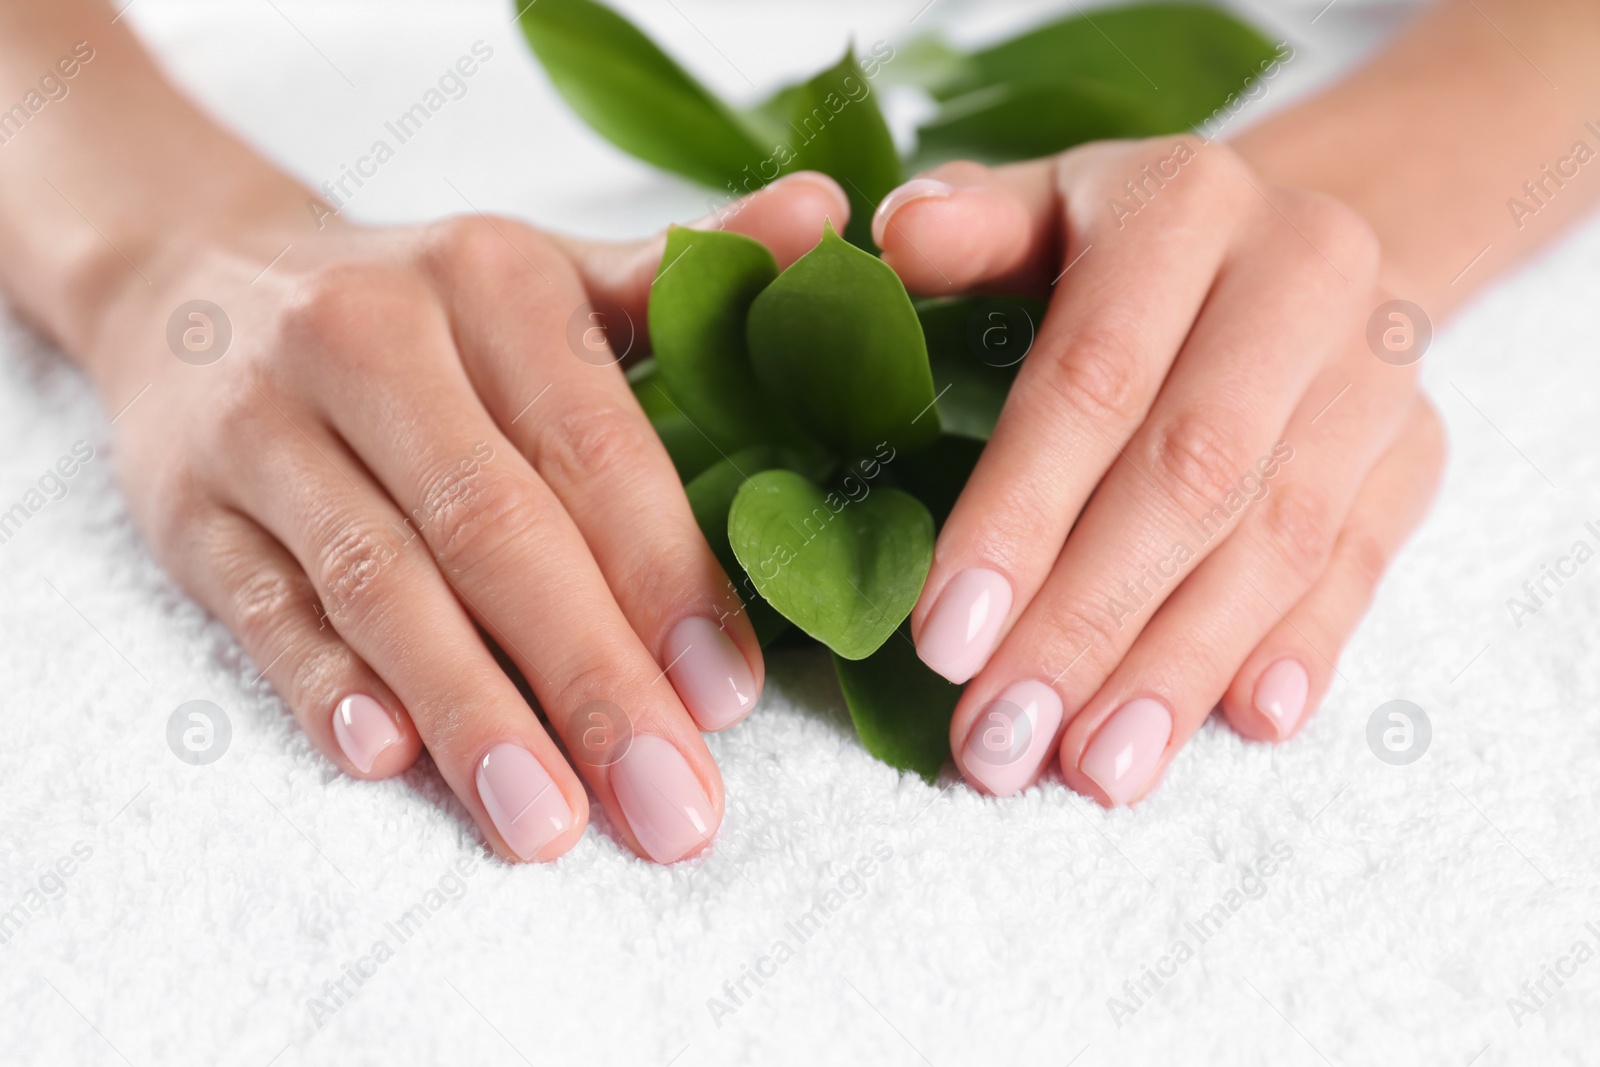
1200	474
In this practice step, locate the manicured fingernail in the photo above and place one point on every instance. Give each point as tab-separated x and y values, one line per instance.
1012	737
710	673
1281	694
661	798
364	729
962	627
523	800
1125	752
715	220
899	197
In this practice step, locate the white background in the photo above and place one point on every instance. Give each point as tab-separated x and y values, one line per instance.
221	898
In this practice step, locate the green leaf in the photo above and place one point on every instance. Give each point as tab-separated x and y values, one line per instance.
1184	58
711	495
976	345
928	62
691	452
836	340
1008	122
1129	71
634	95
698	308
835	126
901	708
937	474
846	571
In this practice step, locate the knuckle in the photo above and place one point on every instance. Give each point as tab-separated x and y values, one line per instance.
1100	375
1366	558
1026	514
1331	231
479	524
1198	456
1220	177
477	248
350	566
178	499
584	678
1302	528
591	443
319	676
263	604
1072	627
344	305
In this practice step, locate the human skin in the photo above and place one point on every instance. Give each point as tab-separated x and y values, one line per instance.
369	364
1219	327
400	444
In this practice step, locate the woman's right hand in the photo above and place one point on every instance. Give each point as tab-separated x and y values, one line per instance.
416	433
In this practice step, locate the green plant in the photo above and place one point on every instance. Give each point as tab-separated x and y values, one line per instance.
822	422
1131	71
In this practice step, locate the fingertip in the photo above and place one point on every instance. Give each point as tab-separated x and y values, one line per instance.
941	238
1269	705
669	794
786	216
396	759
565	841
375	739
710	672
900	196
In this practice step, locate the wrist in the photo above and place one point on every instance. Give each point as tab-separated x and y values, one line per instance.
235	223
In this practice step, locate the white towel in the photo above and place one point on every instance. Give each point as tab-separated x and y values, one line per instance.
156	912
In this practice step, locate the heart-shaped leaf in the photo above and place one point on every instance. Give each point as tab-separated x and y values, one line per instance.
901	708
846	570
699	304
634	95
836	341
710	498
691	451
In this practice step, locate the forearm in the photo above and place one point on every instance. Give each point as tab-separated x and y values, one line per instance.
106	171
1434	139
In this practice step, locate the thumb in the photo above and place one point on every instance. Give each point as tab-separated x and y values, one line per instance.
786	216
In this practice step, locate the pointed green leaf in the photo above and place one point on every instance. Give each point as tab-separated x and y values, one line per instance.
846	571
1182	58
834	126
1023	121
1131	71
634	94
699	304
836	340
901	708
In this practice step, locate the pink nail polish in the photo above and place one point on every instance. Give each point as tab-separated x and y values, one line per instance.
1125	752
1012	737
661	798
961	630
363	729
522	799
710	673
1281	694
899	197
